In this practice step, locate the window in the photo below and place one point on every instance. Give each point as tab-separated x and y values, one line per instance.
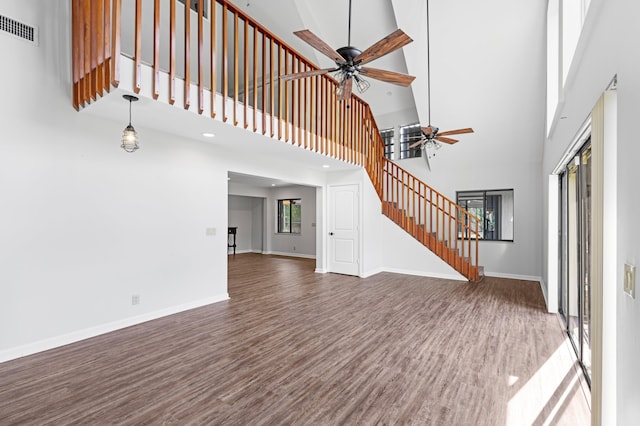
194	6
410	134
290	216
494	209
387	138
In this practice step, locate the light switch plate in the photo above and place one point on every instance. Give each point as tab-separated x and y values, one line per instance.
211	232
630	280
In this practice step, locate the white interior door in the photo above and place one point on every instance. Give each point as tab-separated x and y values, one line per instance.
344	247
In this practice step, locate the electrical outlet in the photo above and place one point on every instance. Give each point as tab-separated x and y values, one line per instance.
135	299
294	248
630	280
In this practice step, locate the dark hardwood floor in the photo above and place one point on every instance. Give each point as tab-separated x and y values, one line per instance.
294	347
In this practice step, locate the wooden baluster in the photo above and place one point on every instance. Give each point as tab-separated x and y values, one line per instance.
327	109
156	50
225	61
286	99
115	52
255	79
235	68
245	98
298	103
100	48
264	83
172	51
86	23
214	77
187	56
305	106
107	46
201	57
93	43
281	98
272	104
76	41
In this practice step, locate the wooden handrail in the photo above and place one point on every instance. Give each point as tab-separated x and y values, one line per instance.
305	113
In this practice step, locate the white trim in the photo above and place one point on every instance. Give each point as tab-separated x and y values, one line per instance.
281	253
371	273
514	276
87	333
426	274
581	137
320	271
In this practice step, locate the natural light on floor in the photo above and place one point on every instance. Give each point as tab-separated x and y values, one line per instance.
542	398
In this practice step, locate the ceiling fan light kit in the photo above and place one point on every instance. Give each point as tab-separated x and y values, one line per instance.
349	62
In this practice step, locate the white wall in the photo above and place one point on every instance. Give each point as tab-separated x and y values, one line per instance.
303	244
85	225
245	213
610	34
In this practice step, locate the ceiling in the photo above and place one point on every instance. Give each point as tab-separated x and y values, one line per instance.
329	19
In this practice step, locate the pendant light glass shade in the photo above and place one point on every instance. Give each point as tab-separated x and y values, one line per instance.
129	135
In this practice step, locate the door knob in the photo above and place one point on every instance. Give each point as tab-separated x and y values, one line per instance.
330	233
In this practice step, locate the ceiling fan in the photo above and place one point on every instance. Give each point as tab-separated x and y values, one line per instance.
431	135
350	60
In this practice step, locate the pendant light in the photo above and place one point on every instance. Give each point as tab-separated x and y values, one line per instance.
129	135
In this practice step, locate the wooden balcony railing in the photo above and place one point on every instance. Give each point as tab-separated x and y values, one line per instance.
235	64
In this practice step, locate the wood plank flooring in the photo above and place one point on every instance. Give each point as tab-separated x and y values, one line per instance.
293	347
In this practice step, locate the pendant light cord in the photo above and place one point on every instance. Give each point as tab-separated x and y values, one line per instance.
349	36
428	66
129	112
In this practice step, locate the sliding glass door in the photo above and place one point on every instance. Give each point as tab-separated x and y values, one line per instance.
575	245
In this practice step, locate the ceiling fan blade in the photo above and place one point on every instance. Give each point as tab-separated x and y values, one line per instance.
426	156
413	145
446	140
427	130
456	132
304	74
345	93
393	41
320	45
388	76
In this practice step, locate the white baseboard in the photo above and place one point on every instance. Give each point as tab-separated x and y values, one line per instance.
281	253
371	273
320	271
455	277
76	336
513	276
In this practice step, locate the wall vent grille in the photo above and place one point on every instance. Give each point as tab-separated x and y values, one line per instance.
18	29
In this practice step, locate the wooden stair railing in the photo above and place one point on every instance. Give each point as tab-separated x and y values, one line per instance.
237	64
447	229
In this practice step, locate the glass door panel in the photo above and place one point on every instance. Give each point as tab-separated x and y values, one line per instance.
585	257
573	293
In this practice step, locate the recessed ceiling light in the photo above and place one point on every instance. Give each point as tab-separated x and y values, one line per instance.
273	184
208	135
326	166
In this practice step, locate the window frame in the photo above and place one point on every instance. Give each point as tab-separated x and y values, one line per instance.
496	215
409	134
387	136
280	225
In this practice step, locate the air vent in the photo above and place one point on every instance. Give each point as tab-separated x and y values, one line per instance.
18	29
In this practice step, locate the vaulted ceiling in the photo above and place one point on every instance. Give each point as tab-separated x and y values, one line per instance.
487	62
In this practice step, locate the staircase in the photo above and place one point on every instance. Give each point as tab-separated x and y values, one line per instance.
234	63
